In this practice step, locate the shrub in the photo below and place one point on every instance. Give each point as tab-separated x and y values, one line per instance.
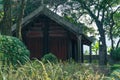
115	54
49	57
13	50
115	66
115	75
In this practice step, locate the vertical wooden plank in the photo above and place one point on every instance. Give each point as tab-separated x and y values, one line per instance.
82	55
46	37
78	55
69	45
75	49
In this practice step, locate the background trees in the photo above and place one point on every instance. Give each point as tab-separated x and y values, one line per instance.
13	11
102	13
7	20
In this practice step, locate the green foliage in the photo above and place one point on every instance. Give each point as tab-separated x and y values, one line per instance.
115	54
71	19
1	10
31	5
49	57
36	70
13	50
86	30
116	28
95	47
115	66
115	75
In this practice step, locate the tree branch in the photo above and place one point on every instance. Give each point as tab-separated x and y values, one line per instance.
116	10
89	11
118	43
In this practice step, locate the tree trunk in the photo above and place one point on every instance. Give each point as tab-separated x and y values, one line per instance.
101	31
103	40
19	19
7	20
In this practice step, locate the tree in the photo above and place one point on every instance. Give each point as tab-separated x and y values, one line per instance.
114	31
20	15
112	23
1	13
7	20
98	10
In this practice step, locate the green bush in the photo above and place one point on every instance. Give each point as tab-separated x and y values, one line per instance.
115	54
115	66
115	75
49	57
13	50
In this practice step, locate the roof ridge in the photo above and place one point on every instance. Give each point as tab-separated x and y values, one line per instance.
46	11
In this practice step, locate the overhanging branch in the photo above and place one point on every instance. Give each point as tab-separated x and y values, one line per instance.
118	43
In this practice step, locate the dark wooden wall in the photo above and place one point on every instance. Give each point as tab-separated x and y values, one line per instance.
44	35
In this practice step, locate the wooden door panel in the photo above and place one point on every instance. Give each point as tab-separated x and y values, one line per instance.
58	46
35	46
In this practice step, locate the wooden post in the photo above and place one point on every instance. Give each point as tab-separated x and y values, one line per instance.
69	49
82	55
90	60
79	56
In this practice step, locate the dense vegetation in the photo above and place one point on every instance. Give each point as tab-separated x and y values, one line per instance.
115	54
12	50
37	70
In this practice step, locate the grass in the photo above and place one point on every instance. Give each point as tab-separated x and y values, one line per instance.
37	70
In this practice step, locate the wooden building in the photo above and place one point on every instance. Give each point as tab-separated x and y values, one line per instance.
45	32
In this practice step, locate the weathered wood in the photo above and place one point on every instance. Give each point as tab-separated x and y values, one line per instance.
90	57
43	10
52	32
29	18
79	54
74	49
46	38
82	55
69	47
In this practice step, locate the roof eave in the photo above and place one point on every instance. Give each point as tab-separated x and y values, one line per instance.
43	10
27	19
